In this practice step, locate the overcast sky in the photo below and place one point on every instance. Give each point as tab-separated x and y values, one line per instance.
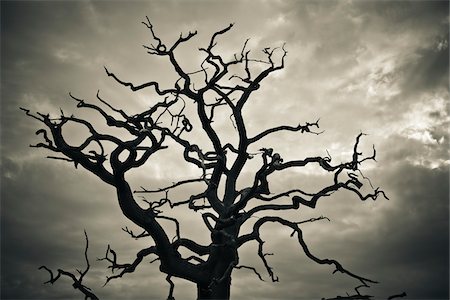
360	66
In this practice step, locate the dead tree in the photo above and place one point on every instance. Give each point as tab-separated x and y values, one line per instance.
221	164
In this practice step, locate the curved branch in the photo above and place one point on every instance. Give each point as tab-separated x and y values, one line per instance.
255	235
77	282
175	184
260	184
397	296
301	128
251	269
171	288
192	246
177	225
125	268
134	88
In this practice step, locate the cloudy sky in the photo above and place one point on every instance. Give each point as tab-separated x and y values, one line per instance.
360	66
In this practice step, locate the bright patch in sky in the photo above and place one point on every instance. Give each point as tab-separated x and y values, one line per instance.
423	117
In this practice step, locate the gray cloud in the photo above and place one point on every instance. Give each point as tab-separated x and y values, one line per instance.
430	70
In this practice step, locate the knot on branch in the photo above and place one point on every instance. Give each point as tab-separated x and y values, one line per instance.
276	160
186	124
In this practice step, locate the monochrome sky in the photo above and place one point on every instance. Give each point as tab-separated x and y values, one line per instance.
378	67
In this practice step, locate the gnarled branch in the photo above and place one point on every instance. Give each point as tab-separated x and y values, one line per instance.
77	282
255	235
111	257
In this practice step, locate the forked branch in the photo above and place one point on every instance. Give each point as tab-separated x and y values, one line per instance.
77	282
301	128
255	236
111	257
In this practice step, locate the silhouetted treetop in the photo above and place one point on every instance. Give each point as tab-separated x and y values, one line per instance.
220	164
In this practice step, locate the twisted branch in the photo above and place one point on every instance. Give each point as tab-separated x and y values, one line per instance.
77	282
127	267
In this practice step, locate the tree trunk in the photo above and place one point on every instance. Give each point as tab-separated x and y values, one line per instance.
219	291
223	257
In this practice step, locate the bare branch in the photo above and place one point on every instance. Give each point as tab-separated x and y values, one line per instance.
128	267
175	184
60	158
350	297
397	296
192	246
77	282
195	258
120	111
136	236
255	235
172	286
313	220
283	194
252	269
263	255
301	128
177	225
134	88
27	112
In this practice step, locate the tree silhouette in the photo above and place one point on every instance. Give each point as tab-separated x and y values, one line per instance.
224	206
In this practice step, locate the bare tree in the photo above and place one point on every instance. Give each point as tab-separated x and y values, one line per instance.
223	212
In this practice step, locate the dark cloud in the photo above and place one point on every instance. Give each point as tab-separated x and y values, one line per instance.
429	71
396	16
43	218
414	235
